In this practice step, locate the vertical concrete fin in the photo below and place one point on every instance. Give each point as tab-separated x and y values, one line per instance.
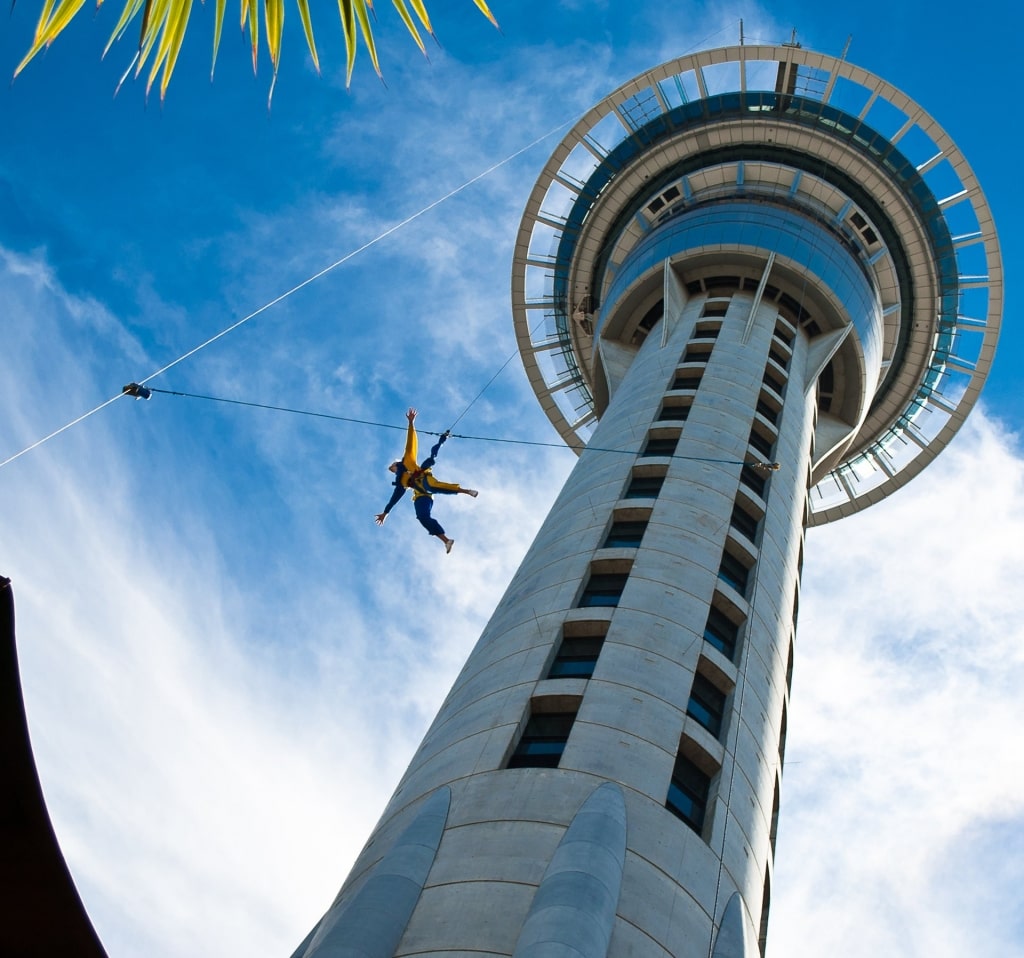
675	300
573	912
736	935
821	350
371	923
758	296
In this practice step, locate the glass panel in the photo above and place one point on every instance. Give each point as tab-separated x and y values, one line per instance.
744	522
644	487
721	632
707	704
660	447
734	572
603	590
625	535
688	793
674	413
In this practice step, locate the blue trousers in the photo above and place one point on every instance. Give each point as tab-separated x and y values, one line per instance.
423	506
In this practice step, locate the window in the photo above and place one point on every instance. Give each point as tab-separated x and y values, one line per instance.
625	535
707	704
744	523
688	793
675	412
697	353
734	572
722	282
706	331
644	487
780	360
766	901
715	309
773	382
686	380
774	828
650	318
794	308
761	443
659	446
769	412
789	668
782	737
604	589
783	334
752	479
543	740
577	656
721	632
812	328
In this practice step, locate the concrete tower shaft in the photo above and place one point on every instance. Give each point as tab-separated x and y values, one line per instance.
644	646
724	266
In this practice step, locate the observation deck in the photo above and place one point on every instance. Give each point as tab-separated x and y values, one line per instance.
800	180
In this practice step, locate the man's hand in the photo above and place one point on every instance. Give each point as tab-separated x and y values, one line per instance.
380	517
411	414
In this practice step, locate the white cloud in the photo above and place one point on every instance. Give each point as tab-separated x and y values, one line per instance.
904	742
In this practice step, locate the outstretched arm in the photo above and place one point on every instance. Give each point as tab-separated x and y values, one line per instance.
410	457
395	496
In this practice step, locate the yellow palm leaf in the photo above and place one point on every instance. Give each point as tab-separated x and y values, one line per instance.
170	45
485	10
410	24
250	15
131	9
421	12
307	26
218	24
347	13
153	18
364	25
273	15
164	22
46	31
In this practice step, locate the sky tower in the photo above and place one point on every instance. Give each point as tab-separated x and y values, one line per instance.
758	289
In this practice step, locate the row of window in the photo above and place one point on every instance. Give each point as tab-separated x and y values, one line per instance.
543	742
546	733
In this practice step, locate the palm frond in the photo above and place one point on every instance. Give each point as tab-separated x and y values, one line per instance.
165	22
346	10
410	24
50	24
367	30
307	26
218	25
485	10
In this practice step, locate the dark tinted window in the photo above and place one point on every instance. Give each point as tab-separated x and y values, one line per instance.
707	704
644	487
721	632
577	656
625	535
603	590
543	740
688	793
660	447
734	572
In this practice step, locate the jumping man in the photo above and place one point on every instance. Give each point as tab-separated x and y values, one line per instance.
409	475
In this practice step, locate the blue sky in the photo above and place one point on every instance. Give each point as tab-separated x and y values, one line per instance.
227	665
